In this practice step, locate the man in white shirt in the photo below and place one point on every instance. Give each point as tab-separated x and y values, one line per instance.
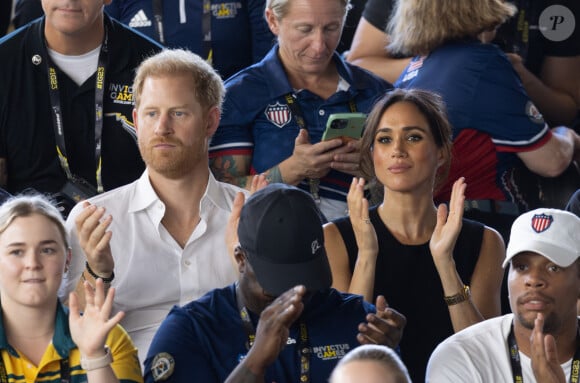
539	342
168	246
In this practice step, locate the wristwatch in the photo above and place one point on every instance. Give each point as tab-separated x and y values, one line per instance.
96	363
462	296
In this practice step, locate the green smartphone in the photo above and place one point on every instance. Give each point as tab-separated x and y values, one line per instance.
348	126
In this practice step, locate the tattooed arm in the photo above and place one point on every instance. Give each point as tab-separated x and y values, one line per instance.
236	170
307	160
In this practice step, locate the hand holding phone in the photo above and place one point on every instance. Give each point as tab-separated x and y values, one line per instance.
347	126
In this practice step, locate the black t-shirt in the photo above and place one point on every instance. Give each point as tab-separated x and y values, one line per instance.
521	34
27	137
377	13
407	277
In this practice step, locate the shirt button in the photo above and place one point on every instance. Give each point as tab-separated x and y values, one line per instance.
321	112
187	263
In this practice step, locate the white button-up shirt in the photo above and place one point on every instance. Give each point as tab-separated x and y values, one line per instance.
152	272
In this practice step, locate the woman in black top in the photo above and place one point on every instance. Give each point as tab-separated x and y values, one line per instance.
441	271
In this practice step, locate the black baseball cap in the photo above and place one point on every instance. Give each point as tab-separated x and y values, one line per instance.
281	232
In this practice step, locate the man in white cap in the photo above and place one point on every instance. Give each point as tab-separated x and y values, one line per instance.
539	342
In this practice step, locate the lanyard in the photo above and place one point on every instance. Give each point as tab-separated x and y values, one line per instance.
304	347
522	31
64	372
205	27
57	112
517	366
206	30
313	183
158	16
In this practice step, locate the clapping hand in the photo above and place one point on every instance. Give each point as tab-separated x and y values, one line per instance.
95	237
358	211
90	330
544	356
449	225
385	327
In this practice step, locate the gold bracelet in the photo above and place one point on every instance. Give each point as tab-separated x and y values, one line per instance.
462	296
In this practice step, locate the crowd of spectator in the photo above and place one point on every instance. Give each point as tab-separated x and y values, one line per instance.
171	211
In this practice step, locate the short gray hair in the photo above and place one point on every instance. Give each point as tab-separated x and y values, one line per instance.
280	7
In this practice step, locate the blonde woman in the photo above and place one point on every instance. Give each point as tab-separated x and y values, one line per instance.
40	340
498	133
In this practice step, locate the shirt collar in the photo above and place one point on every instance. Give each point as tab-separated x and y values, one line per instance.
145	195
279	85
61	340
36	44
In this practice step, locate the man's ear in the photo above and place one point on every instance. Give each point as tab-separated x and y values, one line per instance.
213	120
135	117
240	257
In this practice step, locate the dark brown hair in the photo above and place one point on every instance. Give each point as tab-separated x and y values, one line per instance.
431	106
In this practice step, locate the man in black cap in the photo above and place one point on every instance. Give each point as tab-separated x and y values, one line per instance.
281	322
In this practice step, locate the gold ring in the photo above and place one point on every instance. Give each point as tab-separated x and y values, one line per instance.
366	220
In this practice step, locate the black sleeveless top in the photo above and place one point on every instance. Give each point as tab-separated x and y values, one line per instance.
406	276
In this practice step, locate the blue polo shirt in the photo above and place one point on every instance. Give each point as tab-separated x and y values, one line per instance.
206	339
258	122
239	33
490	112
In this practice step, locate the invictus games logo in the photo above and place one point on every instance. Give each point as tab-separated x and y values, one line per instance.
330	352
557	23
121	94
225	10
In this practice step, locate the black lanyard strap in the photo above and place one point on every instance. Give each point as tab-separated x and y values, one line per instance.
57	113
517	366
304	354
206	30
313	183
304	347
158	16
297	111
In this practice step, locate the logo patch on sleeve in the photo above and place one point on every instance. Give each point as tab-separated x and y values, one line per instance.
162	366
533	113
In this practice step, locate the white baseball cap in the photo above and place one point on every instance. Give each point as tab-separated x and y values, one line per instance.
553	233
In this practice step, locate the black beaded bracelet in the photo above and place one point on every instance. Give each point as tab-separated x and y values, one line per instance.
94	275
